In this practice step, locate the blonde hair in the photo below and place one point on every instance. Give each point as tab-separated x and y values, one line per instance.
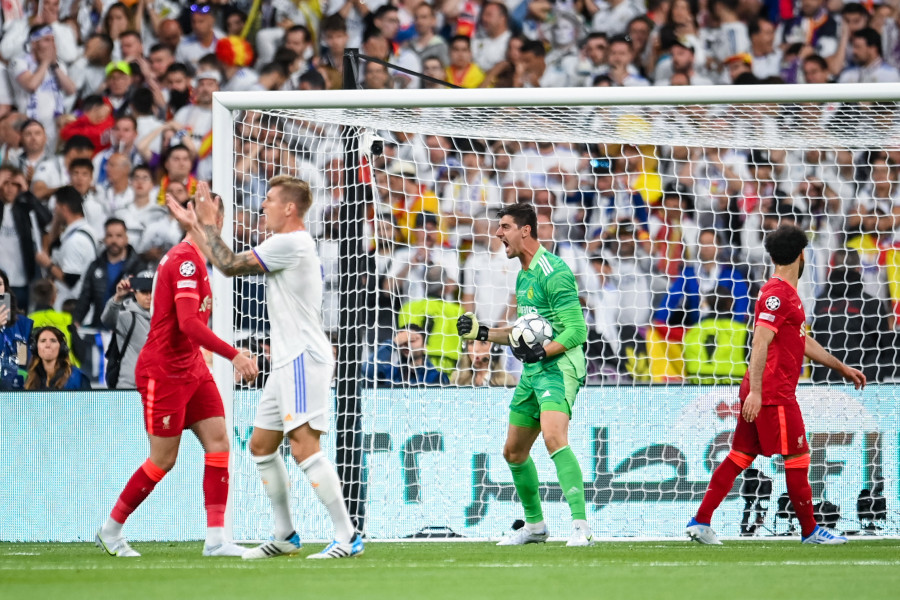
296	190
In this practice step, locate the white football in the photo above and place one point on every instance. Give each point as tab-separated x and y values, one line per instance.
532	330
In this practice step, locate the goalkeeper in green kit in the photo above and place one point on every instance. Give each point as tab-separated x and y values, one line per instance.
551	375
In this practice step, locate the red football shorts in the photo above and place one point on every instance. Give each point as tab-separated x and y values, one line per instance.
776	430
171	406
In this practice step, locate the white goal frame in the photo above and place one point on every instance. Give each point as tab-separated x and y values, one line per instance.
223	150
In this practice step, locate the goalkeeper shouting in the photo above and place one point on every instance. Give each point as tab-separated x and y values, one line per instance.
551	377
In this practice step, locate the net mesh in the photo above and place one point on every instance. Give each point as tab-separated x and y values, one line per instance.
660	212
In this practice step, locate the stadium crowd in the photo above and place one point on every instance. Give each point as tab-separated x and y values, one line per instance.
105	108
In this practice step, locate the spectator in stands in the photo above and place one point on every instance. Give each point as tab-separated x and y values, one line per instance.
439	315
481	365
815	69
683	63
16	32
274	76
814	28
593	57
116	261
116	194
77	246
427	43
402	361
739	69
34	152
611	17
203	38
122	140
492	37
21	221
41	81
335	38
143	210
689	299
236	55
851	324
537	73
11	137
854	17
123	314
15	333
95	122
715	349
730	38
117	90
434	68
869	68
44	296
766	57
462	71
89	71
81	177
177	164
376	77
52	172
51	367
621	70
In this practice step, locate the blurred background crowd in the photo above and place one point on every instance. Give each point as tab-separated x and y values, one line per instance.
105	108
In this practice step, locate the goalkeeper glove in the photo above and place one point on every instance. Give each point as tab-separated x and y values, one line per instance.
529	354
468	328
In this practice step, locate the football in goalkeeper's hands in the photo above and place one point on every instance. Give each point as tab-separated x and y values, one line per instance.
532	330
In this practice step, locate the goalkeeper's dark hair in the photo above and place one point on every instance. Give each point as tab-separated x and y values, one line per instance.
785	244
523	214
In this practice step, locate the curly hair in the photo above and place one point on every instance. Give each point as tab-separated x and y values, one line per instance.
785	244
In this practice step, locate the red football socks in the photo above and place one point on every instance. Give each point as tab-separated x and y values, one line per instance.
136	490
215	487
797	478
721	483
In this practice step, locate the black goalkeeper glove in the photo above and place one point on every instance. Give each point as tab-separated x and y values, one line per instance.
529	355
468	328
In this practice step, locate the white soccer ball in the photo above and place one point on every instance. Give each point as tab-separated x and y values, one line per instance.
532	330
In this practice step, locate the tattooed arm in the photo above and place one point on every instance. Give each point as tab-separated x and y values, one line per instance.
221	256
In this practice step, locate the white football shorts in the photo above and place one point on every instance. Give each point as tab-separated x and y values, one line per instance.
296	393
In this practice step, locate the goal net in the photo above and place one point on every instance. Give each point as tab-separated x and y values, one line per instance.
659	202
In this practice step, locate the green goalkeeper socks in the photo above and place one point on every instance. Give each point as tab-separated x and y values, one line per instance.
528	487
570	480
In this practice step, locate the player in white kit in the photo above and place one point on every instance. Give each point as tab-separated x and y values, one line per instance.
296	399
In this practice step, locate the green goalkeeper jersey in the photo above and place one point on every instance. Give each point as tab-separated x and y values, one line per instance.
547	287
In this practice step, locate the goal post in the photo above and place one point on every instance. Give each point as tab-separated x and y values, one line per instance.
659	200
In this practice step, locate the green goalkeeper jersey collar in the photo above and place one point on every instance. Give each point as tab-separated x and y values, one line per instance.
534	264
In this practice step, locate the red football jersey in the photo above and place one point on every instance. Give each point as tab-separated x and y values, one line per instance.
779	308
169	353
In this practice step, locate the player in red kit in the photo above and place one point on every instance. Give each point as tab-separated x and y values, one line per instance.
770	421
178	392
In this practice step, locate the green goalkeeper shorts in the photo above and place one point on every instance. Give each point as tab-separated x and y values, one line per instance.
553	387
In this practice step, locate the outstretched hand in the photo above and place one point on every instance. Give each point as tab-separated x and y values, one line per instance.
183	214
206	209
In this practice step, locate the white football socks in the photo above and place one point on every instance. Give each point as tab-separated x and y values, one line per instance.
111	530
536	527
325	482
215	536
275	480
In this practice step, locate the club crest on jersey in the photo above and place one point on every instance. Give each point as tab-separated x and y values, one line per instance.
530	293
187	269
772	302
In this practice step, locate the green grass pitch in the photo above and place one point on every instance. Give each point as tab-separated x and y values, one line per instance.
865	569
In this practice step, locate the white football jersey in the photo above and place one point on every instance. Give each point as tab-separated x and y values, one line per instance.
294	297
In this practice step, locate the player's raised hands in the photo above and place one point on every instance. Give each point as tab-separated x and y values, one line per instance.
245	364
184	215
206	209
